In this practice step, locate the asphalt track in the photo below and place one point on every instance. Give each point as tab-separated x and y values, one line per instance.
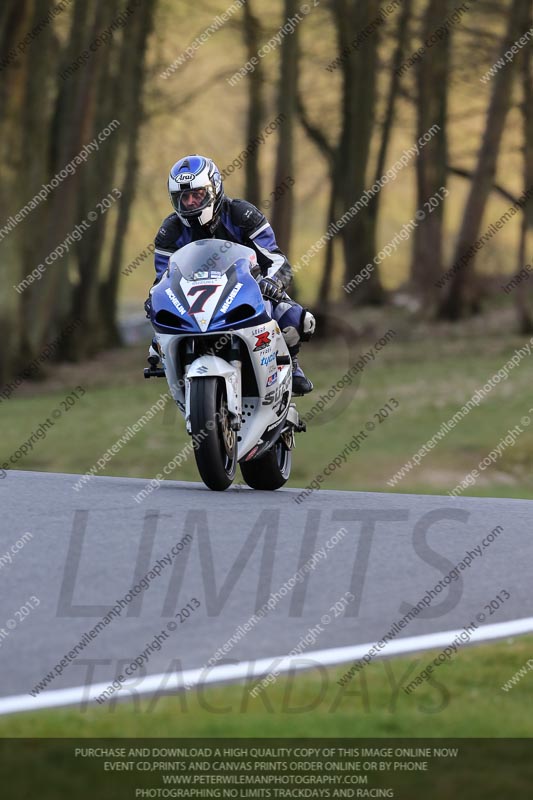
89	548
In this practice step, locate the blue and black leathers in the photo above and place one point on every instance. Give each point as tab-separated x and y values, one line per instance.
243	223
239	222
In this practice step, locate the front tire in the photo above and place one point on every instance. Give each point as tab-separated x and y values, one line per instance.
216	443
271	471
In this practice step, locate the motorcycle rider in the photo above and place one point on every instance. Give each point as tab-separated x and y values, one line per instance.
202	210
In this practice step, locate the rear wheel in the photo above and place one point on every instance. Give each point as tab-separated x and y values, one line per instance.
271	471
216	443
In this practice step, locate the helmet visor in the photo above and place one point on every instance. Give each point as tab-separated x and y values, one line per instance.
191	202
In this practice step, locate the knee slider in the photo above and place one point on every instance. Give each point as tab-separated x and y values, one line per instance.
291	336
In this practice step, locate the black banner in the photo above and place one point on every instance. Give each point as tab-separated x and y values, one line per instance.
406	769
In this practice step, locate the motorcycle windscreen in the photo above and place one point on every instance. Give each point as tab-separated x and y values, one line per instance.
211	258
210	284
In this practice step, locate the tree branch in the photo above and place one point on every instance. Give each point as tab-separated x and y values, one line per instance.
469	174
314	133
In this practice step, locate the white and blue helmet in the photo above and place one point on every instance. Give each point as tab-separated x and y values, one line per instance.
197	172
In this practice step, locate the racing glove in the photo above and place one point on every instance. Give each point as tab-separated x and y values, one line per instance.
272	289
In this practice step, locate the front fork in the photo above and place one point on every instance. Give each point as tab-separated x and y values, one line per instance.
218	367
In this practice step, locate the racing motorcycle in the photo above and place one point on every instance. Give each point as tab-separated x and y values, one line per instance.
226	363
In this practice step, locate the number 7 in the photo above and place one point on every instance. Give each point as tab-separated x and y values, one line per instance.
206	292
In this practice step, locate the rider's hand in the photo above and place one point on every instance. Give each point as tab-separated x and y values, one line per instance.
148	307
272	289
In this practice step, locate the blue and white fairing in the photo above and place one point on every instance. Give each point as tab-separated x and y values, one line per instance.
208	287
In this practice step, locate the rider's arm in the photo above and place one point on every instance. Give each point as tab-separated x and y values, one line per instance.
256	232
166	242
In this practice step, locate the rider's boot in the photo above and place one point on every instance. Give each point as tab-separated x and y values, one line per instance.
153	353
300	382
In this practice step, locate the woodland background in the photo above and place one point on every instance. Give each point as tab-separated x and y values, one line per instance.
349	111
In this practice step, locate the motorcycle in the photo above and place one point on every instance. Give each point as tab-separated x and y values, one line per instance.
226	363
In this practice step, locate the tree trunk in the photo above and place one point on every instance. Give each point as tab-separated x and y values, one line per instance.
461	296
358	112
282	212
256	107
51	303
388	121
133	120
394	86
328	152
111	89
35	135
324	293
525	316
432	79
16	20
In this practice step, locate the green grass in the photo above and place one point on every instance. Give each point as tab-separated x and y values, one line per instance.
430	373
464	699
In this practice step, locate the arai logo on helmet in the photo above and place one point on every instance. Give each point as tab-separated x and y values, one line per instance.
186	177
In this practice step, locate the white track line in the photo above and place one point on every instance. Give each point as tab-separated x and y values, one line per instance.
163	682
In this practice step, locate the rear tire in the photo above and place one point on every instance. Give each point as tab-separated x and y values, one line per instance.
271	471
216	451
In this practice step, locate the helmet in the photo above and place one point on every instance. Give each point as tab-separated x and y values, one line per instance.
196	191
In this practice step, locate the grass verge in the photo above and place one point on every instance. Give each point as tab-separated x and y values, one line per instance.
464	698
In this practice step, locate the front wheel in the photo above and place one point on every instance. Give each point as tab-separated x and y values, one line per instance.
215	442
271	471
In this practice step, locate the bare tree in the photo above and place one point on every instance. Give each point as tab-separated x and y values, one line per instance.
50	305
462	294
287	99
133	114
256	107
24	141
432	80
51	106
525	316
358	102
